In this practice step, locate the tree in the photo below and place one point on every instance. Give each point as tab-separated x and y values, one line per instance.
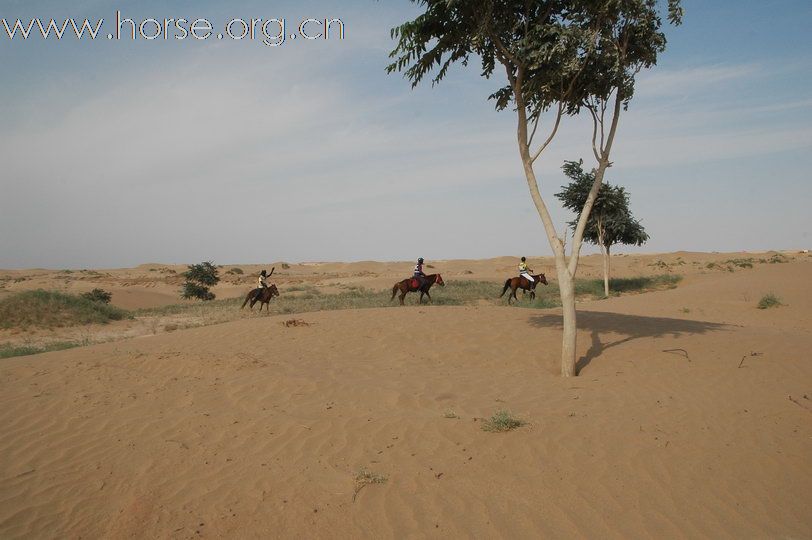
610	222
559	57
199	278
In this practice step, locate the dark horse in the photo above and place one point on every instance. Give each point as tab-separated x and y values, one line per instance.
413	285
263	296
522	283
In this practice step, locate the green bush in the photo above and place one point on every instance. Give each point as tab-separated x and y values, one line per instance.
98	295
49	309
502	421
769	301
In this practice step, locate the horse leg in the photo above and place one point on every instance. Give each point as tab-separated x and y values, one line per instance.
429	296
402	295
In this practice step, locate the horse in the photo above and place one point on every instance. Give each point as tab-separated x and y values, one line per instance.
521	282
263	296
413	285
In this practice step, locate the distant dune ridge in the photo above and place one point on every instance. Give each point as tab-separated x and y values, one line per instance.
692	416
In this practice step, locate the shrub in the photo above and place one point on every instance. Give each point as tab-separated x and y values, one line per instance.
237	271
49	309
769	301
10	351
502	421
98	295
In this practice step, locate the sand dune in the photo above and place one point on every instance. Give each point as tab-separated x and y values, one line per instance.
691	418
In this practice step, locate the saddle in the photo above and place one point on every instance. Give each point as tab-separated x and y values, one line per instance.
414	283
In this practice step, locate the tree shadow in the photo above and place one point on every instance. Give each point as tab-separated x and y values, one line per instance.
633	326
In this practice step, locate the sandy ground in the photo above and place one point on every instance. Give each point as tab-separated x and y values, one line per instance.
692	417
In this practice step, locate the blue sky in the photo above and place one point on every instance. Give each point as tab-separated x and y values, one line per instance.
118	153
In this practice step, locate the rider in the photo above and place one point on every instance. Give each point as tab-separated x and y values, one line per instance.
418	272
262	284
524	271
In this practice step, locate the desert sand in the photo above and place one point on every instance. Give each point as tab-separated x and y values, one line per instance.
692	415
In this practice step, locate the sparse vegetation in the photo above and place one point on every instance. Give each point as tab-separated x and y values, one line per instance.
449	413
365	478
778	258
501	421
769	300
98	295
9	351
303	298
285	266
236	271
49	309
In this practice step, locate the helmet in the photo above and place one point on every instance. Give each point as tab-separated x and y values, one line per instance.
420	260
263	273
523	259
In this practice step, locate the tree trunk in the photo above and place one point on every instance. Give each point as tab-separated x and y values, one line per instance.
566	286
606	262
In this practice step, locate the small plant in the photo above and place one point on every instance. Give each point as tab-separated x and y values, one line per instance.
778	258
502	421
685	310
235	271
199	278
285	266
769	301
450	414
98	295
366	477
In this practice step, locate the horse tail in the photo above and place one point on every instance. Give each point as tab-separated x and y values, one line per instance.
247	298
394	292
504	290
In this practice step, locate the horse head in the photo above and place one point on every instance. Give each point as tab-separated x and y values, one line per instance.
439	280
274	290
543	279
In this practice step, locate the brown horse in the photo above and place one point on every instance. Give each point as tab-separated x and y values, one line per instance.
263	296
413	285
522	283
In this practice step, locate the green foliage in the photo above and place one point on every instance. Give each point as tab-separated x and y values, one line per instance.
502	421
199	278
194	290
98	295
48	309
769	300
610	221
204	273
552	51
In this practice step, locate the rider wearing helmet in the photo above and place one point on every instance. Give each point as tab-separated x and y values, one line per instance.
524	271
418	272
